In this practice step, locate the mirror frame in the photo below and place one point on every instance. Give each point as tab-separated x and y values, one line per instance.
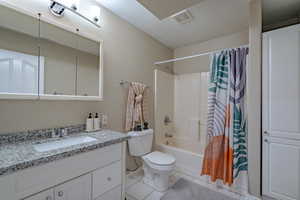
24	96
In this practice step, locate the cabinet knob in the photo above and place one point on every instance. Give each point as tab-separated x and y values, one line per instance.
48	198
266	140
266	133
109	178
60	193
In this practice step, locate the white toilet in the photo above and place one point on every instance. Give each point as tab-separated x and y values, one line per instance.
157	165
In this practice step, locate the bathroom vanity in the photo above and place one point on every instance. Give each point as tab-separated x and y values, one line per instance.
89	168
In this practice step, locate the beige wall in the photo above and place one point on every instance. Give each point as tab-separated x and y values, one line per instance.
129	54
201	64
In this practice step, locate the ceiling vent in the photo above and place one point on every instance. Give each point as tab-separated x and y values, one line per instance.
183	17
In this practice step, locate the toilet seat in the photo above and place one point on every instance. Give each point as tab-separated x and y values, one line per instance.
160	159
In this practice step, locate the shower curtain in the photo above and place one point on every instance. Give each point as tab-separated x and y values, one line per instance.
226	151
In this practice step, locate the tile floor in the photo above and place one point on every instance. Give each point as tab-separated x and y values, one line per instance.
137	190
185	189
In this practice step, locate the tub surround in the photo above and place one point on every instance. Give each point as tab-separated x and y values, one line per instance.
20	154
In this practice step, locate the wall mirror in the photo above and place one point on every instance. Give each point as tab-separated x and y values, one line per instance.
19	54
41	60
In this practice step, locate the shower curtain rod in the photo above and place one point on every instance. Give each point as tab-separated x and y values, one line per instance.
193	56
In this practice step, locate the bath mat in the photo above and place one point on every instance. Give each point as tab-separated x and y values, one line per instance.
187	190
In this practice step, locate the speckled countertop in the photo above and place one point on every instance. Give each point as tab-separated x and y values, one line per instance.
22	155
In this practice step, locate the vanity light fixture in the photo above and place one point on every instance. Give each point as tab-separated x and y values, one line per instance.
58	7
74	4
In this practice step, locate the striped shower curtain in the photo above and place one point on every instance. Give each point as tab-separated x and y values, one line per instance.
226	151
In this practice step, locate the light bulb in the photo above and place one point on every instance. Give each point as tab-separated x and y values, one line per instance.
70	3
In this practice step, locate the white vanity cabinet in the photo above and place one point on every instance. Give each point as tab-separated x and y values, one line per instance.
94	175
46	195
76	189
281	113
110	195
106	178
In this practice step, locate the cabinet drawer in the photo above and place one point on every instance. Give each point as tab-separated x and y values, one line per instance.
106	179
114	194
76	189
46	195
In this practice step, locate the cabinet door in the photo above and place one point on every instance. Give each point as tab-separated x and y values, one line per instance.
281	168
114	194
107	178
76	189
281	82
46	195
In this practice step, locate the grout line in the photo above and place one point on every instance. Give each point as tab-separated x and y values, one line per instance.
140	181
148	195
130	197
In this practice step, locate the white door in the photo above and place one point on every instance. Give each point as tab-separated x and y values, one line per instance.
76	189
281	168
281	82
46	195
281	113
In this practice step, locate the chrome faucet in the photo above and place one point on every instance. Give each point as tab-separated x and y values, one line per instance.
168	135
167	120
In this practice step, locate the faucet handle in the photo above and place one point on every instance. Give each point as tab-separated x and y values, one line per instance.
168	135
167	120
55	133
63	132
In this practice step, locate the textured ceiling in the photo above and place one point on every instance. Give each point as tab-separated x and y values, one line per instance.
211	19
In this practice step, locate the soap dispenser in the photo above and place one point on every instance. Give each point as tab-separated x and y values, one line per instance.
96	122
89	123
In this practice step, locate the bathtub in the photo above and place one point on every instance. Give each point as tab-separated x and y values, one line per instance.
189	165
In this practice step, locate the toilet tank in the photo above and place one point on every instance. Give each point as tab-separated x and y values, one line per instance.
140	142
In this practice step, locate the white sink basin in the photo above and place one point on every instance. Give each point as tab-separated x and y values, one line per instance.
48	146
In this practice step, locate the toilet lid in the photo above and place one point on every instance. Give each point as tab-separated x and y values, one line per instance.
160	158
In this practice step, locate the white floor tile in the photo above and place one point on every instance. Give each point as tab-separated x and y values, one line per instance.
155	196
128	197
139	190
133	179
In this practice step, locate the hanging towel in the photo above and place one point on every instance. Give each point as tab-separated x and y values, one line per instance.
136	105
